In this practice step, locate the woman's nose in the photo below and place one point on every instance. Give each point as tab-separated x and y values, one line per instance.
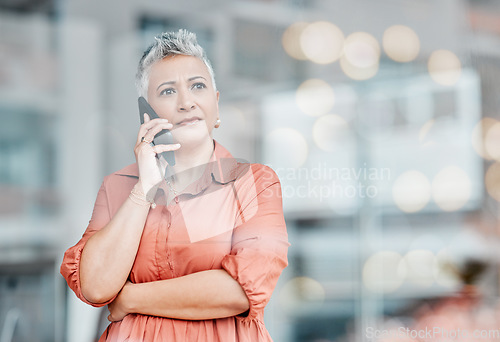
185	102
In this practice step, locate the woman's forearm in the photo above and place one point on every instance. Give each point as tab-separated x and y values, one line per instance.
204	295
108	256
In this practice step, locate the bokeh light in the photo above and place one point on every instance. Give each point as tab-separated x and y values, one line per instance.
361	57
492	181
322	42
478	138
361	50
382	272
411	191
355	73
329	131
401	43
315	97
289	147
299	290
291	40
421	267
492	141
451	188
444	67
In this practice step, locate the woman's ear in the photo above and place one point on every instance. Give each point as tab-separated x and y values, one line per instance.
217	104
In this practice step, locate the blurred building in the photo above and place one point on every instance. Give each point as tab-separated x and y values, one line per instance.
381	119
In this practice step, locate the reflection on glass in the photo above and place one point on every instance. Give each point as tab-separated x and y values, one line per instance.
411	191
421	266
361	50
360	60
492	141
451	188
444	67
492	181
315	97
291	40
299	290
383	272
329	131
479	134
401	43
322	42
424	132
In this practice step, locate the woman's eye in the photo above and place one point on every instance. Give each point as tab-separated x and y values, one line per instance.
199	85
167	91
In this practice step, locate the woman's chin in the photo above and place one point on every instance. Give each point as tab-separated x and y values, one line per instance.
191	135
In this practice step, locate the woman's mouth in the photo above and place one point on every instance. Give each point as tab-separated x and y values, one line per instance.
189	121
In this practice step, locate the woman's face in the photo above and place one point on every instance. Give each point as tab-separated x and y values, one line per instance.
181	91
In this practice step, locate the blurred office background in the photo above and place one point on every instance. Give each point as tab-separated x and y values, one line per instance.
380	117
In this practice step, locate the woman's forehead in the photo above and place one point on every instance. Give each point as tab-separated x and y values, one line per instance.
179	65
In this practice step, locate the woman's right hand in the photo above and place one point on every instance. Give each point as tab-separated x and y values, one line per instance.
145	154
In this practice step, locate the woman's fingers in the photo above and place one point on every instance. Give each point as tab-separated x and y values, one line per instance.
146	154
150	135
164	148
149	129
142	129
148	124
144	148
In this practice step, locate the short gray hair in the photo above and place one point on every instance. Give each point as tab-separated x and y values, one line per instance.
167	44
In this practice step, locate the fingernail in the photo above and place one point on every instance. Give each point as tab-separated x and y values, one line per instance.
177	145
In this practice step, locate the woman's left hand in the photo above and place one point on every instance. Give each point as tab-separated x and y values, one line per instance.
118	308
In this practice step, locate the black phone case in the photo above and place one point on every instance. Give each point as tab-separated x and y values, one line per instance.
164	136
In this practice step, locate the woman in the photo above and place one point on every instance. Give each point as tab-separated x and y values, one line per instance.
184	252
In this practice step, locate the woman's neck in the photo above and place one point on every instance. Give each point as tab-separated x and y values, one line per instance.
189	162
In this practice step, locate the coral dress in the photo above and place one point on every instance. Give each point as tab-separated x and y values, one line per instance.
231	219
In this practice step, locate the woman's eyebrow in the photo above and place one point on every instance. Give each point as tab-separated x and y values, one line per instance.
195	77
173	82
165	83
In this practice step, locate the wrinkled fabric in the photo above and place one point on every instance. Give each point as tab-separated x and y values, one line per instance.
231	219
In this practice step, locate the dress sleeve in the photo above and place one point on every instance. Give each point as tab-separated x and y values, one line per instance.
70	267
260	242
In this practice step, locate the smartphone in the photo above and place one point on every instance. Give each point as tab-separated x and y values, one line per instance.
164	136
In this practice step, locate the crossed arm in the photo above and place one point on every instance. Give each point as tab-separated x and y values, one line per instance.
203	295
107	260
